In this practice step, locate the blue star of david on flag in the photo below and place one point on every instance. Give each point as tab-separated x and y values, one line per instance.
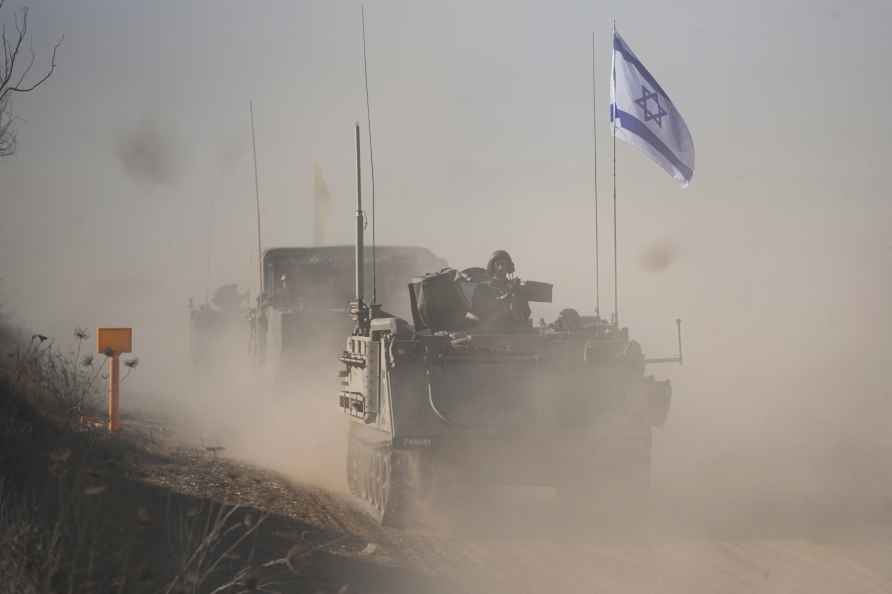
647	95
644	116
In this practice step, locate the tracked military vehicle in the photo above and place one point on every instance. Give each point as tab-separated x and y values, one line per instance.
566	404
471	392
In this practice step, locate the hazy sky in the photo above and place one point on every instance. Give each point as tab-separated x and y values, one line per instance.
482	122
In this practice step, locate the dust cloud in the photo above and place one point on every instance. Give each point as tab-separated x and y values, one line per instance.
776	257
150	153
292	427
776	435
274	414
658	255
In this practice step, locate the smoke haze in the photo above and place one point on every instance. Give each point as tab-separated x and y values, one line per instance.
776	257
149	154
658	255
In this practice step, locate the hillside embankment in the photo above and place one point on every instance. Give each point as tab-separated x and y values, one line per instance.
151	510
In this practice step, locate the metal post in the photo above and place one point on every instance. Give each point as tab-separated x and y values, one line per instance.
615	257
595	139
257	196
114	388
360	261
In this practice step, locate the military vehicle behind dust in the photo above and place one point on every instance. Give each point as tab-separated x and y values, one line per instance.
218	328
301	319
307	292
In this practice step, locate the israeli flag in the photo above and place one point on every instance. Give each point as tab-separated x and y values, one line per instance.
644	116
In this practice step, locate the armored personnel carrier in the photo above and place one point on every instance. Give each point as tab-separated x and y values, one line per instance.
471	392
456	397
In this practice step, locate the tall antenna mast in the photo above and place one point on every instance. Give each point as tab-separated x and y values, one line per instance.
257	195
368	111
358	280
595	142
613	117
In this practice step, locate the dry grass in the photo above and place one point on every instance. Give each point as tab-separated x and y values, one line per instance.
61	384
22	546
205	551
72	520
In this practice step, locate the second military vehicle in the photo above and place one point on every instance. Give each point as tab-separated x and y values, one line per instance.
301	317
307	292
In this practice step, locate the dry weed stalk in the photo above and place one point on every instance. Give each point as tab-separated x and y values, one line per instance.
248	579
213	549
67	381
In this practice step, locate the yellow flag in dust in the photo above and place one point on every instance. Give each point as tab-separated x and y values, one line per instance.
322	202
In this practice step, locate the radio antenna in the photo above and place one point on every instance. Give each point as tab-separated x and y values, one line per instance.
257	195
595	142
358	284
368	112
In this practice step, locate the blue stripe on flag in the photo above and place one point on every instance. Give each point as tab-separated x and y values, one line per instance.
620	45
634	125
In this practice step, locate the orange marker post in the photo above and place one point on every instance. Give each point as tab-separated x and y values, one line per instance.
111	342
114	392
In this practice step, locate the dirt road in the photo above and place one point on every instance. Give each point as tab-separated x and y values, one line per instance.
517	540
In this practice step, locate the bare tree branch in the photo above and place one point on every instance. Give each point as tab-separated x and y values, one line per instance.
28	89
27	69
14	75
22	30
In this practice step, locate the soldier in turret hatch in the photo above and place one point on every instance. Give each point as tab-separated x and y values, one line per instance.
500	266
497	303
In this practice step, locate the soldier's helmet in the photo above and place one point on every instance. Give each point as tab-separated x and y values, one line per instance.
496	256
568	320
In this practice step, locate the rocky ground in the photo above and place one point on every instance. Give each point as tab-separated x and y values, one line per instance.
146	511
521	541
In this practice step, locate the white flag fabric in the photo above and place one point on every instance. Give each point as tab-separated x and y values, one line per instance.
644	116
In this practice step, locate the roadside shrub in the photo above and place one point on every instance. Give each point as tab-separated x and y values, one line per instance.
64	384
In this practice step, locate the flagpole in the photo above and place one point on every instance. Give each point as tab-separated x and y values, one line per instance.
615	257
595	142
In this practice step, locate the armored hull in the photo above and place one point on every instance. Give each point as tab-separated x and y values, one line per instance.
443	402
